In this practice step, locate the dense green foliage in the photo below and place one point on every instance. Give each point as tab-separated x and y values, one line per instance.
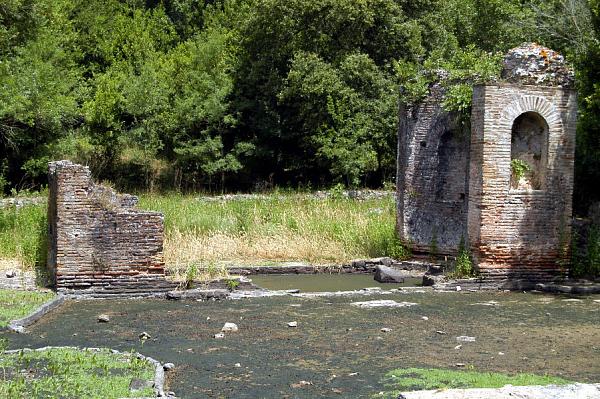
23	234
415	379
72	373
240	94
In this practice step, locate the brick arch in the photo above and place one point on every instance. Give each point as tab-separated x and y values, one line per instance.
529	103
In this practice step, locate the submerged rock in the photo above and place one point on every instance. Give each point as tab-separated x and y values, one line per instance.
385	274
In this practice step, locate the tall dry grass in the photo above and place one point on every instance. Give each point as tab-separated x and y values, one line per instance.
279	228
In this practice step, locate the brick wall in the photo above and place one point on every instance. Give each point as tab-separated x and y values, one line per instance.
516	232
433	154
98	241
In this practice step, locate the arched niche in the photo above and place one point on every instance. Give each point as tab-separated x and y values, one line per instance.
529	143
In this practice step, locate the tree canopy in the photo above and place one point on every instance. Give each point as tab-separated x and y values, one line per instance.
236	94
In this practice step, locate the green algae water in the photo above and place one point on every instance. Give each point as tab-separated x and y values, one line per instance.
338	349
326	282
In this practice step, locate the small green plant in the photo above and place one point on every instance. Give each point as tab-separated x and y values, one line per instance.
190	275
464	264
337	192
519	168
232	284
585	254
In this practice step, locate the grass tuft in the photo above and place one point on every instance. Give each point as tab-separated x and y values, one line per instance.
72	373
17	304
416	379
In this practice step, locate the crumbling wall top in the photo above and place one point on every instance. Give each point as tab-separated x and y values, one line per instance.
533	64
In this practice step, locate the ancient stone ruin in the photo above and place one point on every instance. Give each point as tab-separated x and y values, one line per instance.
503	184
99	243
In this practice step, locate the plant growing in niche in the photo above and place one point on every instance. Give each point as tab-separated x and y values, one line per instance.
518	168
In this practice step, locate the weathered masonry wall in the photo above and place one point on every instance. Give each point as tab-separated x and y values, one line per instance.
98	241
433	160
505	182
521	230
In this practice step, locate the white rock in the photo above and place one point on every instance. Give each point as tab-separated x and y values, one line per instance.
237	365
383	303
11	274
292	324
464	338
219	336
229	327
385	329
168	366
144	335
103	318
458	288
425	318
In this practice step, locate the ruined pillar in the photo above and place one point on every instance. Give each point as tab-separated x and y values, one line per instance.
522	166
98	241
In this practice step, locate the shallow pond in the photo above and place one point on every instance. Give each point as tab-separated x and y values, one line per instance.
337	347
326	282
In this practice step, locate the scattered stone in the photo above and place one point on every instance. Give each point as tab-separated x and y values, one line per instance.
424	318
293	291
457	347
458	288
386	330
464	338
301	384
348	329
441	332
572	300
103	318
199	294
11	274
237	365
219	335
137	384
387	303
385	274
168	366
597	300
144	335
292	324
229	327
501	353
353	374
459	364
